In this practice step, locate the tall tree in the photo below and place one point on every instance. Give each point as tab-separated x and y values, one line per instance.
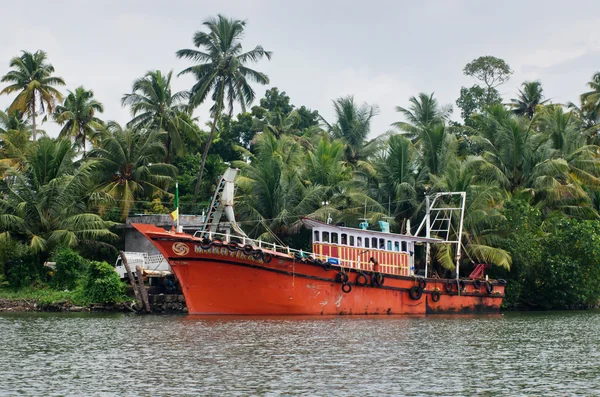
15	133
78	116
129	166
32	78
153	105
423	112
352	126
222	70
490	71
529	97
45	205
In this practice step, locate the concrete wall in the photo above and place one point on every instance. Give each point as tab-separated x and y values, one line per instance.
136	242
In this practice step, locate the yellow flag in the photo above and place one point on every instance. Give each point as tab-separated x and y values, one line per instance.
175	214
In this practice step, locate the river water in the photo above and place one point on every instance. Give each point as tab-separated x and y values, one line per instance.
538	354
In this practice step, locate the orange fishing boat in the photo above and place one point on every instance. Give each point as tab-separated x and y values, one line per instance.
349	271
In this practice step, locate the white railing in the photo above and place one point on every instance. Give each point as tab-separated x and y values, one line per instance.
349	264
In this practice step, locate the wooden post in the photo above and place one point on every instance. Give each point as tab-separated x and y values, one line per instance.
138	299
142	287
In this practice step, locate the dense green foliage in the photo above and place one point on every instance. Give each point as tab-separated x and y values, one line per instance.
530	168
102	284
69	266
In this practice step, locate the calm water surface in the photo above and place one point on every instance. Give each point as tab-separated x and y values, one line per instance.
129	355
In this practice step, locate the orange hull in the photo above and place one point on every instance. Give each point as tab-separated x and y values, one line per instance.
225	280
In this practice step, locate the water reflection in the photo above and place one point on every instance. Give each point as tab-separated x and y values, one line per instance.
123	354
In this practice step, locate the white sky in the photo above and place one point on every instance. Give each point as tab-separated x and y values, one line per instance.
382	52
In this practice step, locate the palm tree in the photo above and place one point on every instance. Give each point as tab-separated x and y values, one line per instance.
592	96
32	78
529	97
345	195
482	215
271	189
424	112
45	202
353	126
222	70
129	167
15	133
522	160
401	176
153	105
78	116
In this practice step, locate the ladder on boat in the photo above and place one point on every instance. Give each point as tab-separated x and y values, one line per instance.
444	215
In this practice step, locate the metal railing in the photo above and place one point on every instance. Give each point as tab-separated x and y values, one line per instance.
291	252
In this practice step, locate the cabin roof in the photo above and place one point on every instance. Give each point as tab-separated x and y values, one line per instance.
313	223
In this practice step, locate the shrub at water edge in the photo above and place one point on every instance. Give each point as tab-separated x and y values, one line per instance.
102	284
70	266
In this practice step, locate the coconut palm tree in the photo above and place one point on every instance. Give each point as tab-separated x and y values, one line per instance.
78	116
44	204
424	112
353	126
529	97
401	177
32	78
222	71
271	190
129	167
482	215
153	105
15	133
522	159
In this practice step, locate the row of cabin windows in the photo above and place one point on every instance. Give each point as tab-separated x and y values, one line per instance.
358	241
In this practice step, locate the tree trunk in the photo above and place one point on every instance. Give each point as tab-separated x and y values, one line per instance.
33	117
204	155
168	147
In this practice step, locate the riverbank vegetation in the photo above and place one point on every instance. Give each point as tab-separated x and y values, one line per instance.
530	167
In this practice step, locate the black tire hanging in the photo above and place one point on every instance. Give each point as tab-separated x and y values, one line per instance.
341	277
361	279
267	257
205	243
326	266
435	296
422	283
257	254
477	284
232	246
415	292
448	286
489	287
346	288
461	285
248	249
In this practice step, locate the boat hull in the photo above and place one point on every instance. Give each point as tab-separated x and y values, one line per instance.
220	279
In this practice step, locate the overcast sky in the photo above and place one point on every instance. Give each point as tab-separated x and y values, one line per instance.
382	52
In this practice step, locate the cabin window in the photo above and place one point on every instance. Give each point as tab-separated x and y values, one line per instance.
396	246
352	241
316	237
373	242
334	238
344	239
359	241
367	242
404	246
389	245
381	244
325	237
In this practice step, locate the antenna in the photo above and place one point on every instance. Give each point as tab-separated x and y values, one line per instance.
364	224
